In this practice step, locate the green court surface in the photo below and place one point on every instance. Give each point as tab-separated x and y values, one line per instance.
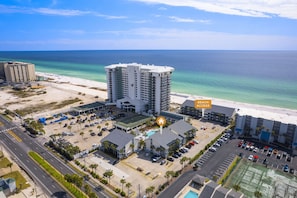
270	183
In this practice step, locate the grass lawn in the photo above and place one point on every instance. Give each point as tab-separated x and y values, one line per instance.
4	162
21	182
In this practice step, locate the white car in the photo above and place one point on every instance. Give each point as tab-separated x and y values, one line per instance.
212	149
251	157
196	141
255	150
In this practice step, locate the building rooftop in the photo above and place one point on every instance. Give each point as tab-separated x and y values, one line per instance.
215	108
181	127
164	137
152	68
286	117
119	138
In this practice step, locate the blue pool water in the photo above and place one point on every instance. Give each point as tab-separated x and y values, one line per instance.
150	133
191	194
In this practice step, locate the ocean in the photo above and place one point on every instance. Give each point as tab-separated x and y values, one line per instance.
256	77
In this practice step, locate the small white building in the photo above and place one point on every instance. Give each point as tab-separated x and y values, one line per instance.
269	127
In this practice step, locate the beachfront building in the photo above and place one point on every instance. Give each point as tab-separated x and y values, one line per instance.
17	72
220	114
267	126
139	88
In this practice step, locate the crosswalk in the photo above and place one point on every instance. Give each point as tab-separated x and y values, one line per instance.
5	130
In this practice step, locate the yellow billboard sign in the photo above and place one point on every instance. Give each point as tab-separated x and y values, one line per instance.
202	104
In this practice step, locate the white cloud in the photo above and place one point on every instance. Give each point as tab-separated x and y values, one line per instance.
60	12
188	20
54	12
252	8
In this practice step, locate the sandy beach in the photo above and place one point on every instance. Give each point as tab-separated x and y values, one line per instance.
60	87
178	98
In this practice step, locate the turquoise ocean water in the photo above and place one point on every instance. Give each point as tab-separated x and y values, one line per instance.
257	77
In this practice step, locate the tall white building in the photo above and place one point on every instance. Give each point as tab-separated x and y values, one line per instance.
139	88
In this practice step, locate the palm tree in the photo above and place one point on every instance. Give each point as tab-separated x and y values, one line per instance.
128	186
123	181
141	144
108	174
93	166
10	165
99	128
82	134
106	124
168	174
150	190
183	160
236	187
258	194
69	127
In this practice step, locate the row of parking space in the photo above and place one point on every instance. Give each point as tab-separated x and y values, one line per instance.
208	154
224	166
268	156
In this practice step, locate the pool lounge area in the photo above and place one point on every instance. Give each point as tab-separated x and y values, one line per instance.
151	132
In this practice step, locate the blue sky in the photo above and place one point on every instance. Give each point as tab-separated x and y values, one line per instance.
148	24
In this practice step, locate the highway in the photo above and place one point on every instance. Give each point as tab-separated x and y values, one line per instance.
26	143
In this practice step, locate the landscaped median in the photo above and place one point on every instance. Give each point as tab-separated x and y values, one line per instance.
75	191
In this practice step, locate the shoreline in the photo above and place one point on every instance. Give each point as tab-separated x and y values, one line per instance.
177	98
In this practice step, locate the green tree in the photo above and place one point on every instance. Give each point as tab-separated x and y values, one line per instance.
10	166
108	174
258	194
93	166
69	127
87	189
150	190
236	187
183	160
128	186
123	181
168	175
82	134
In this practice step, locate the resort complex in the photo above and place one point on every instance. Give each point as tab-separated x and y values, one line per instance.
98	141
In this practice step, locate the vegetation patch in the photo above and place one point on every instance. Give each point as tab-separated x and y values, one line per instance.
45	106
75	191
4	162
21	182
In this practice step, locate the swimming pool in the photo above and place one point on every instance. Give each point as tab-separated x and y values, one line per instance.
151	132
191	194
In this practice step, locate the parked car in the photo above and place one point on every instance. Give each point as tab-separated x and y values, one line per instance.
156	158
289	158
278	156
292	171
251	157
170	159
163	161
286	168
255	150
188	146
196	141
212	149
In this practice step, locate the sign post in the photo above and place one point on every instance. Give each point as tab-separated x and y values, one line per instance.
161	121
202	104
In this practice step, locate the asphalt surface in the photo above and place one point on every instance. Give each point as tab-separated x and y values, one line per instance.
39	176
213	164
28	143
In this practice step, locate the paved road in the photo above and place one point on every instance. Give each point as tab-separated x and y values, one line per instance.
28	143
40	177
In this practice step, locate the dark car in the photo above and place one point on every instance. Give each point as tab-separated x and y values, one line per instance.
175	155
188	146
286	168
292	171
93	134
163	161
170	159
289	159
